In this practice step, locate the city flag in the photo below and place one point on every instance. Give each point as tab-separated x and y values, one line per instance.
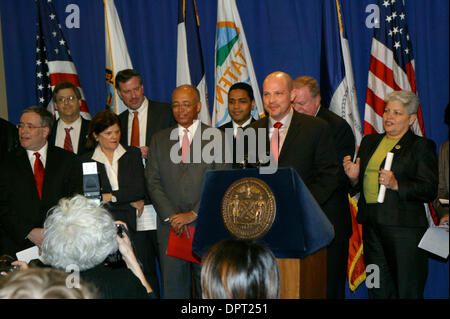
338	91
233	62
54	62
190	67
117	57
391	69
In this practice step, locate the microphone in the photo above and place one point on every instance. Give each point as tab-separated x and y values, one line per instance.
387	166
91	182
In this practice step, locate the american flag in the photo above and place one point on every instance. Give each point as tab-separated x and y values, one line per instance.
54	63
391	65
391	69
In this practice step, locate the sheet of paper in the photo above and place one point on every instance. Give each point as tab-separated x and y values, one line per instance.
29	254
147	221
443	201
435	241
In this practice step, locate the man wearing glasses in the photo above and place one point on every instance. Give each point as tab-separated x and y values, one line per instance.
33	178
71	128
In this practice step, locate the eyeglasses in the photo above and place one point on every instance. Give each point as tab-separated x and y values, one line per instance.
28	126
186	104
64	99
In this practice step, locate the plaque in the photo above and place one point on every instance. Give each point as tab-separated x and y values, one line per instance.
248	208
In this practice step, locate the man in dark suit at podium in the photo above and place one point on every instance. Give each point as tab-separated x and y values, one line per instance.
307	101
241	102
70	131
304	142
33	178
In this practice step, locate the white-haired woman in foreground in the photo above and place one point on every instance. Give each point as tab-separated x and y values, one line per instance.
80	234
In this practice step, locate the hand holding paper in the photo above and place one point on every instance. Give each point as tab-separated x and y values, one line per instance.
387	166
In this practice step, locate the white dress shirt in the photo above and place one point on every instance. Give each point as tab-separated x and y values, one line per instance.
112	169
42	155
142	117
74	133
235	126
286	121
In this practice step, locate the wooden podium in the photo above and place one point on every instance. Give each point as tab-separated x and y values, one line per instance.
298	236
304	278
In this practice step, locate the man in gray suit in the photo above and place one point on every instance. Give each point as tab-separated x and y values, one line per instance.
175	186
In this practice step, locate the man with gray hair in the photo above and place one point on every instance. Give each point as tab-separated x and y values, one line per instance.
33	178
308	101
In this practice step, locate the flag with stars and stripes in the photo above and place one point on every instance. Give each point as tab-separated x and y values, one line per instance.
54	63
391	69
190	67
391	66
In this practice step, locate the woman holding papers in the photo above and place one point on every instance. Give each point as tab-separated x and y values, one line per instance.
393	226
120	168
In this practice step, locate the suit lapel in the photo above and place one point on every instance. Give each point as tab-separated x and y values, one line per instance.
293	130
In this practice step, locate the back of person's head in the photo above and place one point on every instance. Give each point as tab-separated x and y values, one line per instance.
237	269
43	283
78	231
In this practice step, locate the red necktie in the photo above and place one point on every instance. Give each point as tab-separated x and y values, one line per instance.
38	173
185	146
275	142
67	140
135	131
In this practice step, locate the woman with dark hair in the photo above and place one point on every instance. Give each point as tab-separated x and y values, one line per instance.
120	168
393	229
238	269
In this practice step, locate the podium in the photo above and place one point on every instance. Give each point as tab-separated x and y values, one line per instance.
298	236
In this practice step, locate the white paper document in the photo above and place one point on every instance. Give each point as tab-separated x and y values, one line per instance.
435	241
29	254
147	221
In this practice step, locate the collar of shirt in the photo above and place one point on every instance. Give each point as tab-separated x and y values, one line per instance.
318	109
43	155
142	116
74	133
286	121
192	129
235	126
112	169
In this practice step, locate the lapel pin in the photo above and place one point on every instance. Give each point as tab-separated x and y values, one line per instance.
397	147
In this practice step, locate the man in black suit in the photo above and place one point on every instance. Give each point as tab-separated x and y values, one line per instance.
139	123
307	101
33	178
241	102
9	138
71	128
305	142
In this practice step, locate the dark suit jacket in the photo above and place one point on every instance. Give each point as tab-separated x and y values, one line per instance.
9	137
81	141
415	167
308	148
131	184
337	207
159	116
229	125
21	210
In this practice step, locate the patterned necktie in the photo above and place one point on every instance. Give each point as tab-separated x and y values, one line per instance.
185	146
135	131
67	140
38	173
275	142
